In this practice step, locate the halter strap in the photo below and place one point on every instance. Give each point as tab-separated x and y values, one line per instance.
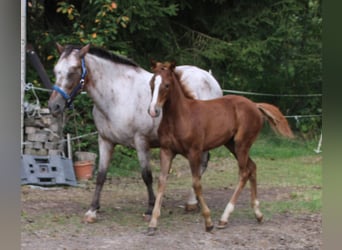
69	98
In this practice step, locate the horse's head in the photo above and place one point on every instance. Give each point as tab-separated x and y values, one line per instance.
70	72
161	83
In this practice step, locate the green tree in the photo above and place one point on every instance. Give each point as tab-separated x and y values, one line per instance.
260	46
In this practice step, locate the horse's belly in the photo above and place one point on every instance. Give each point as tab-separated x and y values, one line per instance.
125	133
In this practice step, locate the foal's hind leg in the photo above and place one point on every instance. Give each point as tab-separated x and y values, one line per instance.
253	182
241	154
105	150
192	203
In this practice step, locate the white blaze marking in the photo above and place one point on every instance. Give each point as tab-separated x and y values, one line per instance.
157	83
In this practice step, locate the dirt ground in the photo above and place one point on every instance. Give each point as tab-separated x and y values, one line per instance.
52	219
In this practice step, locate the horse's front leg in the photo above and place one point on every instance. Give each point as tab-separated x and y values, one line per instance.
143	151
105	150
166	157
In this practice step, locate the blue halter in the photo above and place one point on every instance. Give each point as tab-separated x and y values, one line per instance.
69	98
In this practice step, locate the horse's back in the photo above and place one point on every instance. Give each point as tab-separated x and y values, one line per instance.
201	82
129	94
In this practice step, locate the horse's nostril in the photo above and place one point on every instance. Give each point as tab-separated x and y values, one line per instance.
54	108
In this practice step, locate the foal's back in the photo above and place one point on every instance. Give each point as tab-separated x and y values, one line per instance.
212	123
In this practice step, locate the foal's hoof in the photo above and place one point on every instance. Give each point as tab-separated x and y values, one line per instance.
151	231
209	228
259	218
147	217
222	224
191	208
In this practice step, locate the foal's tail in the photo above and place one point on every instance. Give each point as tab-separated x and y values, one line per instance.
276	119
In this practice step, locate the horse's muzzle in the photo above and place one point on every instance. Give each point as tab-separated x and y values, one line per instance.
56	107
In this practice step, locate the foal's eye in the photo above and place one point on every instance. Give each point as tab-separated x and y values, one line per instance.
167	86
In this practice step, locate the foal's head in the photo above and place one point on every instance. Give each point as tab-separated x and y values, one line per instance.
161	84
69	73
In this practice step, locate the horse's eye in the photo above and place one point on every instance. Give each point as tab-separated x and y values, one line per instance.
72	74
167	86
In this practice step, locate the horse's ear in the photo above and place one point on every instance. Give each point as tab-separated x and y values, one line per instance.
84	50
153	64
60	48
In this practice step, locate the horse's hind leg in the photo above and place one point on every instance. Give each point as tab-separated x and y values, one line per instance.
105	150
143	151
192	203
253	182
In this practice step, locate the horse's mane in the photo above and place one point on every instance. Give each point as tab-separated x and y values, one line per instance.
105	54
186	90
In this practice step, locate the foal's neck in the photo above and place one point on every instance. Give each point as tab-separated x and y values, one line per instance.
178	100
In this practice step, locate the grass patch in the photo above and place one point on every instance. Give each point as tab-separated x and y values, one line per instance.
288	169
269	145
303	203
124	162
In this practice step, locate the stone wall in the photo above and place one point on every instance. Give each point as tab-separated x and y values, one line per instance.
43	134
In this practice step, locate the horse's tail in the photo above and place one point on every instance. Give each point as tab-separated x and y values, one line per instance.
276	119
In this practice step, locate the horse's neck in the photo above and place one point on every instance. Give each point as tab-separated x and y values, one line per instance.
109	81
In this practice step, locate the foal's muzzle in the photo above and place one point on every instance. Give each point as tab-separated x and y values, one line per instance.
153	111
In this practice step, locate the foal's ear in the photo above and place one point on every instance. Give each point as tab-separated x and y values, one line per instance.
84	50
60	48
153	64
172	65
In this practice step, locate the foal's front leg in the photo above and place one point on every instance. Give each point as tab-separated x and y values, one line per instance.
166	157
195	159
192	203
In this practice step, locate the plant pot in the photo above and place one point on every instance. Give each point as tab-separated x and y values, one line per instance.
85	156
83	170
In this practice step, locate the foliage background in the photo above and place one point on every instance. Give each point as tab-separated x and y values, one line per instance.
259	46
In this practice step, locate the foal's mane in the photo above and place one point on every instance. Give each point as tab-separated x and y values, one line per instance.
176	76
105	54
186	90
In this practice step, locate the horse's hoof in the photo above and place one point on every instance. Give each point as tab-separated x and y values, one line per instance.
209	228
147	217
191	208
87	219
222	224
151	231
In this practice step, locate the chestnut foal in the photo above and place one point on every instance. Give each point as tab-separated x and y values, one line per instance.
189	127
